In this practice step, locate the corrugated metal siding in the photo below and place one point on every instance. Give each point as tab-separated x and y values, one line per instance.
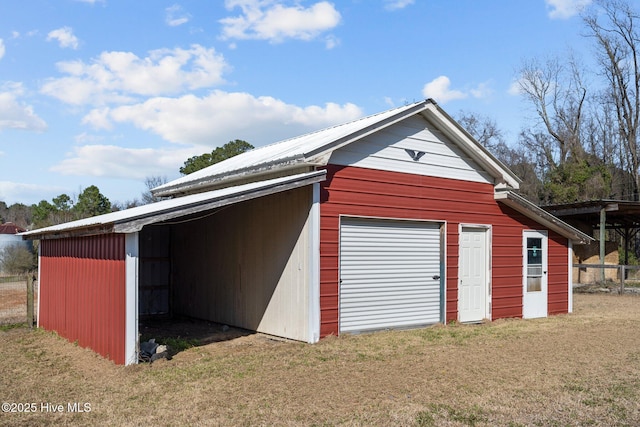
248	266
386	274
82	291
366	192
558	300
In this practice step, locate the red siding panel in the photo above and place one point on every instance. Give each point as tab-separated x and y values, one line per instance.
366	192
82	292
558	275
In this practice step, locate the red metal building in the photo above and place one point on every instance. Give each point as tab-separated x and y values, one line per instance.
400	219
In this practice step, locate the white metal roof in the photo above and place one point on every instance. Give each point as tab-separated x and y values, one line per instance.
132	220
314	149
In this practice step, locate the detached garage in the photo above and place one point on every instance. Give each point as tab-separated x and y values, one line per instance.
396	220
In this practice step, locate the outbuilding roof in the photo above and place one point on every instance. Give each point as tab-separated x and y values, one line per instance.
10	228
530	210
132	220
314	149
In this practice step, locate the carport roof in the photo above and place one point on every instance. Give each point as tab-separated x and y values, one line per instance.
530	210
132	220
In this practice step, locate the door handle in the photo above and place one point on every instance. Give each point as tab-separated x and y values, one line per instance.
436	277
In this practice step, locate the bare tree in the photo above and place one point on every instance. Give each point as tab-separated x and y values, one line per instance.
518	159
613	27
557	94
152	182
482	128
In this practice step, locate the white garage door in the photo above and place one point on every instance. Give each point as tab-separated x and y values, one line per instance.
389	274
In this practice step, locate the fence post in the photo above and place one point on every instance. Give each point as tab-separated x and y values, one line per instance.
30	300
623	272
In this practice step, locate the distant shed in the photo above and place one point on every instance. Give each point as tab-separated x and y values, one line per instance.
9	238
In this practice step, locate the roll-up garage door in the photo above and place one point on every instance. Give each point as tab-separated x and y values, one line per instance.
389	274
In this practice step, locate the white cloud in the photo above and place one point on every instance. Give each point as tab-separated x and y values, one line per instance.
270	20
176	16
440	90
199	124
331	41
64	36
565	9
117	77
483	90
17	192
212	120
2	49
397	4
85	138
118	162
15	114
515	88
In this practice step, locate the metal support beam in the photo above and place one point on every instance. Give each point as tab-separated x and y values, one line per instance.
603	221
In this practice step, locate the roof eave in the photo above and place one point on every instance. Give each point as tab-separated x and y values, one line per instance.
542	217
228	178
166	210
88	230
505	178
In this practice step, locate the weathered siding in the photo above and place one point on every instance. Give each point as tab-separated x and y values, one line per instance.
82	292
247	265
366	192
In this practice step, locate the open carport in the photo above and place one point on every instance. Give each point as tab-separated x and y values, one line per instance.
241	256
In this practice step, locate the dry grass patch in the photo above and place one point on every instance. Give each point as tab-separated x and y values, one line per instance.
579	369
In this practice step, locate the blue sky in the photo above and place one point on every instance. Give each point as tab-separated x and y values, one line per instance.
108	92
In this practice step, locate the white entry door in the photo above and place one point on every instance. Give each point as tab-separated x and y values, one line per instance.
534	301
473	290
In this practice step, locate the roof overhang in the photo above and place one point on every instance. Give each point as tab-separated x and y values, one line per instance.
132	220
504	177
254	172
530	210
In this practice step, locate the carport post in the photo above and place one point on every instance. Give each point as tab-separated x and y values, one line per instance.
30	280
603	221
131	298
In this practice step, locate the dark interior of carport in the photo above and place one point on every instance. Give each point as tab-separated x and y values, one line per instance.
212	275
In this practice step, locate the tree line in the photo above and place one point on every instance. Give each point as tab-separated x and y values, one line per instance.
91	202
582	142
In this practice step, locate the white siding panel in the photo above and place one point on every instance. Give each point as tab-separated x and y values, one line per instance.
252	268
385	150
386	274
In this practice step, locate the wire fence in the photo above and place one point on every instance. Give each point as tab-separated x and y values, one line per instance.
18	299
620	278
